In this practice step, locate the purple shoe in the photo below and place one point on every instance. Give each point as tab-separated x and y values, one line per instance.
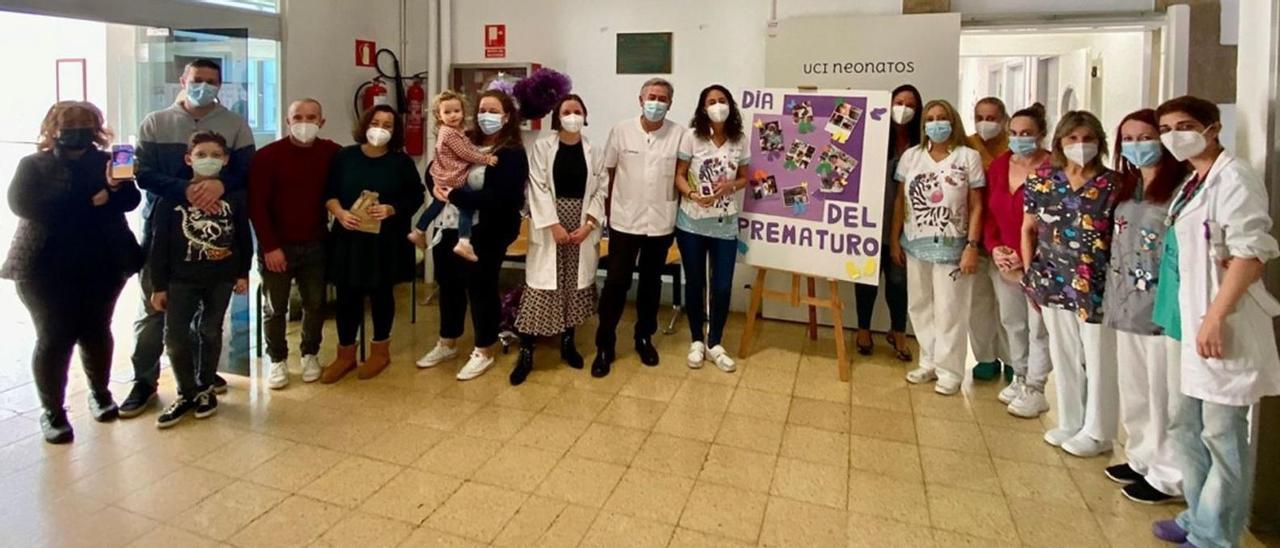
1169	531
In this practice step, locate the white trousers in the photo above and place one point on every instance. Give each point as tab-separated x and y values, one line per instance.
1148	372
1084	356
1012	307
937	302
1038	365
986	340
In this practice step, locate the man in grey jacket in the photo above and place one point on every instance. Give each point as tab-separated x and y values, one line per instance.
162	172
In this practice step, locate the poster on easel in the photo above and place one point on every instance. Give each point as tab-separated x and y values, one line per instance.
815	198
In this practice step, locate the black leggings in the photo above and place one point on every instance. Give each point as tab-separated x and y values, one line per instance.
382	304
67	313
895	295
466	284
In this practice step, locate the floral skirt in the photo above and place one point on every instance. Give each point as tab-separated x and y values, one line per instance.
545	312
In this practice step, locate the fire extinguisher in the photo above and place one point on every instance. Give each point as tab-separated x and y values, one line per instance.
369	94
414	124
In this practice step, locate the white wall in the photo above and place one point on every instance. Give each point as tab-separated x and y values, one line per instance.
319	53
1007	7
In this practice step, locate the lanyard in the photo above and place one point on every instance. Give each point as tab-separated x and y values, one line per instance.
1189	192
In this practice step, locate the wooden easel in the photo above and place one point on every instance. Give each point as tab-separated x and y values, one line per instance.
832	303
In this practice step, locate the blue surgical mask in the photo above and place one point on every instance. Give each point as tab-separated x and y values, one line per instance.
1023	145
655	111
489	122
938	131
202	94
1141	153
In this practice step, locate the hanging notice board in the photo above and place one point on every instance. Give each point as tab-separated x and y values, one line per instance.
644	53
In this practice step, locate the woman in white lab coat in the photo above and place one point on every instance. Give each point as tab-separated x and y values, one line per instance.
1216	305
566	193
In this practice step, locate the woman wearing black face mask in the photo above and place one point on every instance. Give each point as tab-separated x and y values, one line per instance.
71	256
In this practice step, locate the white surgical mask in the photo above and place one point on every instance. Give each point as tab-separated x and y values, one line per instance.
903	114
718	112
988	130
1184	144
304	132
377	136
1081	153
571	123
206	167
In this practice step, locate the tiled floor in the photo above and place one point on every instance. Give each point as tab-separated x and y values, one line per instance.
778	454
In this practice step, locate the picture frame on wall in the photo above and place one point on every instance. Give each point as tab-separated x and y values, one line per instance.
644	52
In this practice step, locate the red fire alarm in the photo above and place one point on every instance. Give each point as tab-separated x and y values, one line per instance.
495	41
366	53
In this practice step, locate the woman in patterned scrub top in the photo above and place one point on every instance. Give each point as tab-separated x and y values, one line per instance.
1066	247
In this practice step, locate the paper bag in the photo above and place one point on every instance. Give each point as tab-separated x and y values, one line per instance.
360	209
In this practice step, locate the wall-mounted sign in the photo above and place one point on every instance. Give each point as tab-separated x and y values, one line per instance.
644	53
495	41
366	53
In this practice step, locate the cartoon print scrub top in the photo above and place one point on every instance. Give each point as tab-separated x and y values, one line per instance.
1073	242
1134	271
936	225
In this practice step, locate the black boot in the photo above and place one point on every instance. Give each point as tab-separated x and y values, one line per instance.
600	367
524	364
569	350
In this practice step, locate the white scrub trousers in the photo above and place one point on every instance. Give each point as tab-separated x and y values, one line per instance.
1084	356
938	304
1148	367
1011	305
987	341
1038	365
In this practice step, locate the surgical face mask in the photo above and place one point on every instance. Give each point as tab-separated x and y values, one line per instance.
304	132
938	130
655	111
1141	153
377	136
718	112
201	94
1023	145
489	122
571	123
206	167
903	114
1184	144
75	138
1081	153
988	130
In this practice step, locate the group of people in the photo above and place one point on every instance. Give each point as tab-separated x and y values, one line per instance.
1138	285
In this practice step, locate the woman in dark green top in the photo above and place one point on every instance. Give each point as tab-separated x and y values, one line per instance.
365	264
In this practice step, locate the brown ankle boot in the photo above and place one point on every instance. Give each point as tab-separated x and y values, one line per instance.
379	359
342	364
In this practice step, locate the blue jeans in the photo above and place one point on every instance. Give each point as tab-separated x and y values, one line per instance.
193	333
466	217
148	333
1211	442
695	253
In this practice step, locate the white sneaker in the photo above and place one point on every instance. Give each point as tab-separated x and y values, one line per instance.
1030	404
1057	437
476	366
278	377
947	386
697	353
921	375
438	354
311	368
722	359
1012	391
1085	447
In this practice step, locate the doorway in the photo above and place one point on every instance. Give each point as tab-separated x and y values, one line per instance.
127	71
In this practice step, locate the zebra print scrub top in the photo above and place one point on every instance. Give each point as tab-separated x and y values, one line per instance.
935	227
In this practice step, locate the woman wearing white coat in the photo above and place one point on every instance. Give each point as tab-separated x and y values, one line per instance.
566	195
1214	302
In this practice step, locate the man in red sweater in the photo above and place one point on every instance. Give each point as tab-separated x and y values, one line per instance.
286	204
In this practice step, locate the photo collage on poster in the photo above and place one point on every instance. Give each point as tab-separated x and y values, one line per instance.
799	165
